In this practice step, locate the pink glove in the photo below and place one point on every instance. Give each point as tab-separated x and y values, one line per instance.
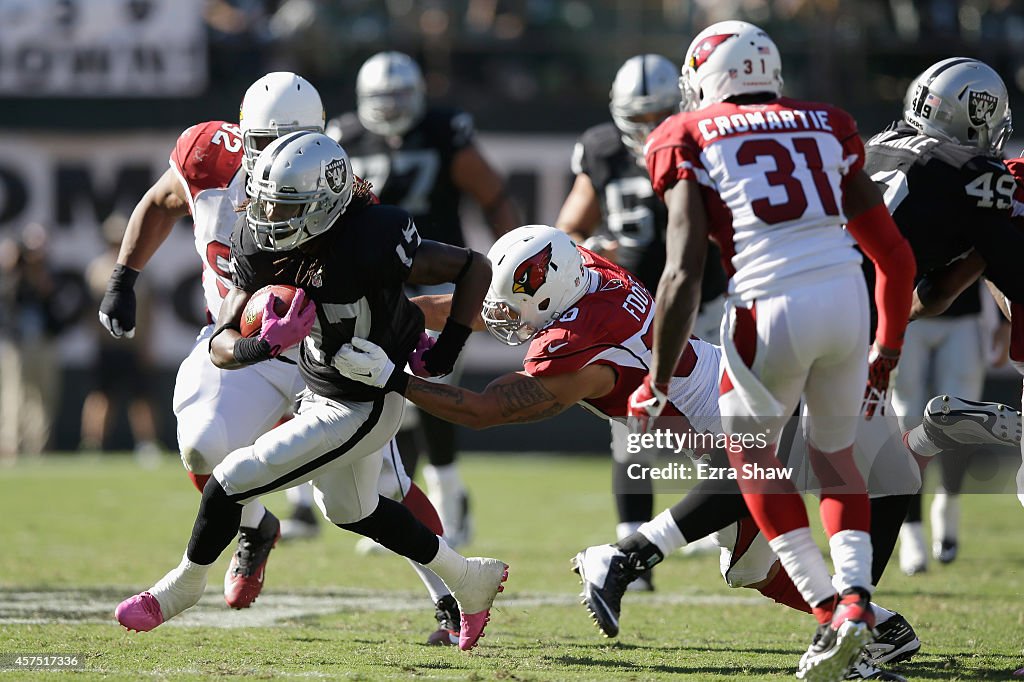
425	343
285	332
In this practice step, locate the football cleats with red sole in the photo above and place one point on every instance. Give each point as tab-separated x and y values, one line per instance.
243	581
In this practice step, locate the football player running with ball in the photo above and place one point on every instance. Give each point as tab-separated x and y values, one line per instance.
312	225
219	411
773	181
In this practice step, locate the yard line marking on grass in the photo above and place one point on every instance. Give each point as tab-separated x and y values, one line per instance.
36	607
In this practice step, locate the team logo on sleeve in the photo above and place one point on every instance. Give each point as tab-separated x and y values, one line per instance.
702	52
531	274
336	174
980	106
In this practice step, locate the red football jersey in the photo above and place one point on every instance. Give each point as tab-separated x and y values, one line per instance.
612	325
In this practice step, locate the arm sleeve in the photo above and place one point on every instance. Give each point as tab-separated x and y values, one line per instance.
881	240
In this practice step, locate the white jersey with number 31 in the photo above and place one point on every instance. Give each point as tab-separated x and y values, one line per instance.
772	180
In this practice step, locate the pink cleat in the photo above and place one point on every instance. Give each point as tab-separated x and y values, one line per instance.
140	613
491	583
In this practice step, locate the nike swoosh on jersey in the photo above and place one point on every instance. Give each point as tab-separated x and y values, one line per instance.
552	347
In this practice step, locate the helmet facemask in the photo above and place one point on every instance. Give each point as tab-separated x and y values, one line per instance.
504	322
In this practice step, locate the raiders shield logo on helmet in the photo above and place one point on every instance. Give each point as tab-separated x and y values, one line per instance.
980	106
531	274
336	174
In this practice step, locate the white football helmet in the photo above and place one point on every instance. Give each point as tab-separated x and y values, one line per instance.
301	183
537	274
727	59
278	103
961	100
645	86
390	94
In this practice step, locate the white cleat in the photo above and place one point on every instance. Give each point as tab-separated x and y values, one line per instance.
951	422
482	582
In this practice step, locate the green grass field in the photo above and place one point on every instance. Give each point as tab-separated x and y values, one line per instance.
78	535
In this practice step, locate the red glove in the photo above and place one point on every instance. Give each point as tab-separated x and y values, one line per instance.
879	368
416	364
645	404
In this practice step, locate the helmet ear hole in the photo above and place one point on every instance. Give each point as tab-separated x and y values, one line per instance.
544	304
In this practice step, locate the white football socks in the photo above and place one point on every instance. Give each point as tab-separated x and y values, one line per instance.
252	514
802	560
945	515
449	565
663	532
851	557
181	588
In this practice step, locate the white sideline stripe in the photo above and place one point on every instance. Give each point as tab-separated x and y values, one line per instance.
38	608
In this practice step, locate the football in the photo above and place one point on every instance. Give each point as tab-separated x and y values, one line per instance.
252	316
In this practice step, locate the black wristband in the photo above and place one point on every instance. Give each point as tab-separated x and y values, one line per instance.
123	277
440	359
247	351
398	382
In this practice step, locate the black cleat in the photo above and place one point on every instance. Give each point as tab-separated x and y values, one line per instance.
446	611
605	572
244	578
945	551
895	641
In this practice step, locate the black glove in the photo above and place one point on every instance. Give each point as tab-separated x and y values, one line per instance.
440	359
117	309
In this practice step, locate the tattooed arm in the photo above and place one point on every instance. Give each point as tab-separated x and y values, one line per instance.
511	399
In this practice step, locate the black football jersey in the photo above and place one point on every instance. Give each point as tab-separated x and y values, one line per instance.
948	199
633	215
358	291
414	171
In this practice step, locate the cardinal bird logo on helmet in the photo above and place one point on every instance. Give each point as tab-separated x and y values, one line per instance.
531	274
703	51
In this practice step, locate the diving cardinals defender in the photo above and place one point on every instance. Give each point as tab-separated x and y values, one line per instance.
588	322
219	411
773	181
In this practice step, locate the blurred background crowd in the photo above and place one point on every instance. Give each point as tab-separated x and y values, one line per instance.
94	92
